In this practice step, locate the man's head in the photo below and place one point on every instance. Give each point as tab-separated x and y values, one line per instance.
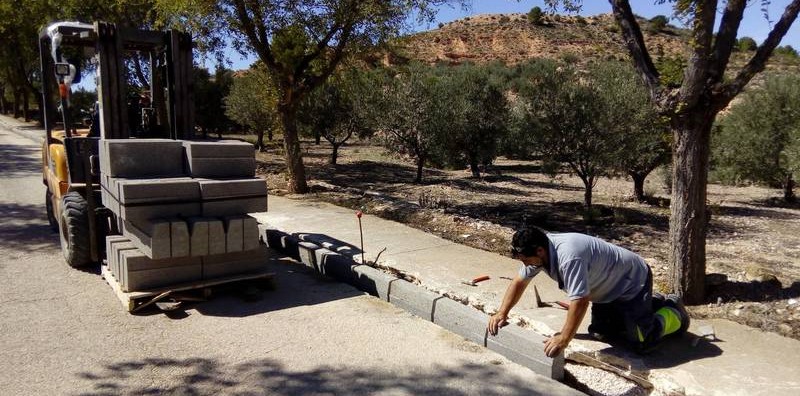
531	246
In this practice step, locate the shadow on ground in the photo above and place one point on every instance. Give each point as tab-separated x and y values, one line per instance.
24	228
195	376
19	161
671	353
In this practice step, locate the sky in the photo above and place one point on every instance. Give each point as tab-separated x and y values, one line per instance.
754	24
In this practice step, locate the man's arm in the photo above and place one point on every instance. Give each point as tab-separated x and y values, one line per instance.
557	343
513	294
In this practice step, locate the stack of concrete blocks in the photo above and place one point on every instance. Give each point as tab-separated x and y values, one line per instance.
182	208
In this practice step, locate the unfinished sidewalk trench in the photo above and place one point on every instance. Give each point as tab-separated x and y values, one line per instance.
593	372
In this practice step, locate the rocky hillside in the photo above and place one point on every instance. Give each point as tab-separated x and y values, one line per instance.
511	38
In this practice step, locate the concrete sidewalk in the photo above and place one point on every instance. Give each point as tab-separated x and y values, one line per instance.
742	361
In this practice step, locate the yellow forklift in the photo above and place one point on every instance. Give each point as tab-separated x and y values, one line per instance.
160	107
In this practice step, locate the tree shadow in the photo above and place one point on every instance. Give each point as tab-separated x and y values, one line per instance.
740	211
194	376
371	175
530	183
19	161
672	352
25	228
754	291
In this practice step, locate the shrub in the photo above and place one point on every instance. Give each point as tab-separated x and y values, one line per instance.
746	44
580	20
535	16
657	23
505	19
441	25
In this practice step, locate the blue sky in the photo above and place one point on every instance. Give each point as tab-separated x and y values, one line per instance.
754	24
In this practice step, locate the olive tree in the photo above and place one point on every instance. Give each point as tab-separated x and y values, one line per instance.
691	108
251	103
758	139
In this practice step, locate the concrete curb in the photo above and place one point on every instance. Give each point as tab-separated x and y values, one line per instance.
519	345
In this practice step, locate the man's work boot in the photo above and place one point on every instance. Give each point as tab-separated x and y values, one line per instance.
675	302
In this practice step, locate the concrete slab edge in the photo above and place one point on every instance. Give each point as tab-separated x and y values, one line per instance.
519	345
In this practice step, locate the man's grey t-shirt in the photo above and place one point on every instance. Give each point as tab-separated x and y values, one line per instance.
592	267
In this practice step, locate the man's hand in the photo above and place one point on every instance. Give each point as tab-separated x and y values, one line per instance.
555	344
497	321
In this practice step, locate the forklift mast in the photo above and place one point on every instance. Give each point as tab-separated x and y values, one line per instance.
170	111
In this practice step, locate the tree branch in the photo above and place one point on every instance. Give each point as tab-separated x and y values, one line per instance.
632	34
696	75
256	35
726	38
759	59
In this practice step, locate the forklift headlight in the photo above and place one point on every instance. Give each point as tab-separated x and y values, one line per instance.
62	69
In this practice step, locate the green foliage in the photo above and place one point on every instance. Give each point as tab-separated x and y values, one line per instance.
657	23
339	109
479	115
671	70
209	96
580	20
746	44
786	50
535	16
252	102
758	140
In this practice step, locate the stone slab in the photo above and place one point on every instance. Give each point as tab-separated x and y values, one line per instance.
218	149
236	188
222	167
250	239
335	265
233	234
461	319
141	157
179	238
215	266
216	237
525	347
112	242
307	252
153	239
412	298
234	206
144	214
374	281
164	190
198	236
142	273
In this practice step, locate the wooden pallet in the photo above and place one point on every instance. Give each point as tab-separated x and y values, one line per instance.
135	301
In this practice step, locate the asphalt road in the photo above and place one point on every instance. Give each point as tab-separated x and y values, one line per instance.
63	331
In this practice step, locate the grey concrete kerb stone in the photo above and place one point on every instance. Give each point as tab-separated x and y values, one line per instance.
515	343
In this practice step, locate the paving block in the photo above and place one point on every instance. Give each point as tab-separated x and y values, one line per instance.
374	281
524	347
179	238
307	250
164	190
143	214
153	239
249	233
198	236
220	265
461	319
118	249
222	167
413	298
233	234
216	237
111	242
335	265
234	206
218	149
142	273
141	157
236	188
109	201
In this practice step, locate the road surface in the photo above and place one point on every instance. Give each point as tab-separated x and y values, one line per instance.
63	331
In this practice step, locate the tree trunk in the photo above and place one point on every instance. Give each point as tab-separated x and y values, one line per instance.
317	138
587	194
688	221
420	163
638	185
334	153
788	189
260	140
26	106
17	104
2	100
294	156
269	134
473	166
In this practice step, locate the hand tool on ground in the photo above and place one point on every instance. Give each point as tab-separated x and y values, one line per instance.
476	280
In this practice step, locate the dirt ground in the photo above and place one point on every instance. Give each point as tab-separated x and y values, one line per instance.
753	249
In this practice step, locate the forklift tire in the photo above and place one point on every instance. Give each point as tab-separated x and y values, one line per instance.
51	217
74	230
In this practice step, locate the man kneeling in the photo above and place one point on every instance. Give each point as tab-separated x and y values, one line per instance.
617	281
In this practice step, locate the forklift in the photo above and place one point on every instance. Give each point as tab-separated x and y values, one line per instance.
162	107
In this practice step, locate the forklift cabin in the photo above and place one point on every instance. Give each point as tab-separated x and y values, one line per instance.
161	107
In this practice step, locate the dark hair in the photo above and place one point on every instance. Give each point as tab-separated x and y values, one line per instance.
525	241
